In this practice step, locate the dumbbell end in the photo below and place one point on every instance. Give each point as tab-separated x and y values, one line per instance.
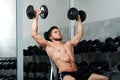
82	15
72	13
44	10
30	12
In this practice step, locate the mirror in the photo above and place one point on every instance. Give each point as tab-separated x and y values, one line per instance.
8	38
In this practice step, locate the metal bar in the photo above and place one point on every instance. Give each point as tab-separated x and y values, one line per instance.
19	42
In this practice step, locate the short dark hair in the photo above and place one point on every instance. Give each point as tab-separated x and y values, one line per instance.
48	33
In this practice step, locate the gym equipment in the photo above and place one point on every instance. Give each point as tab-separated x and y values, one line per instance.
95	67
90	47
117	41
96	44
31	12
73	13
8	63
42	51
103	47
81	47
34	67
111	44
105	65
10	77
118	67
35	50
83	67
32	50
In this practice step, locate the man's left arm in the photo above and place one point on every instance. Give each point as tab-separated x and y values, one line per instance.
79	32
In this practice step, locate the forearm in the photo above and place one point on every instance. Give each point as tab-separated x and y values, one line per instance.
79	30
78	35
34	30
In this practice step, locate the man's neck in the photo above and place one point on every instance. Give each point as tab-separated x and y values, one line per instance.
57	42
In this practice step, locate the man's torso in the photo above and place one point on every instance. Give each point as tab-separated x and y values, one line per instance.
63	56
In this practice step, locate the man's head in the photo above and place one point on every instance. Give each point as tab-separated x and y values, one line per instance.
53	34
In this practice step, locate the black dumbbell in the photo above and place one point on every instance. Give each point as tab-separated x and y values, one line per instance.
1	66
118	67
103	47
80	47
35	50
95	67
105	65
33	67
31	12
27	67
13	65
96	44
12	77
28	51
111	44
42	51
117	41
73	14
6	65
83	67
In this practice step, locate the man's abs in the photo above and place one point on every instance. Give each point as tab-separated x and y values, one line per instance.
66	67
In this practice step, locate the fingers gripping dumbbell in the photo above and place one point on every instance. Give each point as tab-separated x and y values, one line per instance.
73	14
31	12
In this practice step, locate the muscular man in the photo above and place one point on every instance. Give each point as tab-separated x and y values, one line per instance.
62	53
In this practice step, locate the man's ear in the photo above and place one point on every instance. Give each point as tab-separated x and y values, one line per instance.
50	37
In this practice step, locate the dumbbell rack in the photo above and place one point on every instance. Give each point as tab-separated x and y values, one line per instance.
33	66
113	58
8	68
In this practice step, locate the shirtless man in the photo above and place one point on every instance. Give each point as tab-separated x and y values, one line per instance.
62	53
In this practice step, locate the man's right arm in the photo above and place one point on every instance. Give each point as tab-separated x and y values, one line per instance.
34	32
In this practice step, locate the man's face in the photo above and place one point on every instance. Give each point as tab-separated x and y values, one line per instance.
56	35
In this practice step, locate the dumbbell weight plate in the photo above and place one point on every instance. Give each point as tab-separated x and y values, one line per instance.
72	13
30	12
44	13
82	15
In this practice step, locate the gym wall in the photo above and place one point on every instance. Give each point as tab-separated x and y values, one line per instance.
99	9
57	15
102	20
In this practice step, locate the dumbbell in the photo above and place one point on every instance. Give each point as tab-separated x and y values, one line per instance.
27	67
117	41
35	50
73	14
31	12
12	65
12	77
104	65
103	47
95	67
118	67
42	51
33	67
111	44
83	67
1	65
